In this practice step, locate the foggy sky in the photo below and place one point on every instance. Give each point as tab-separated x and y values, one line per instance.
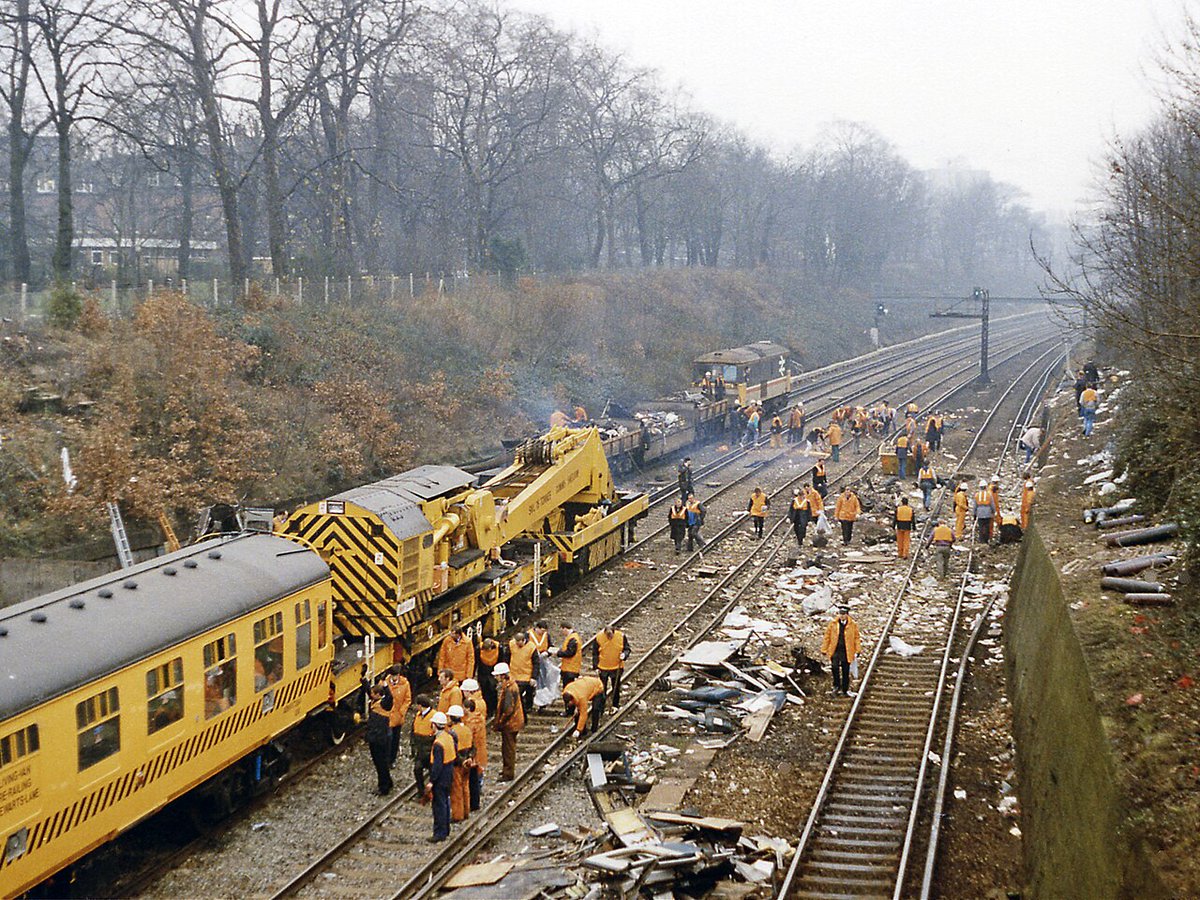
1027	89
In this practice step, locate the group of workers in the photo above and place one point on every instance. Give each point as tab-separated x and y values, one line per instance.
448	734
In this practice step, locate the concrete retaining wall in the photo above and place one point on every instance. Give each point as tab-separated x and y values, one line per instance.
1076	843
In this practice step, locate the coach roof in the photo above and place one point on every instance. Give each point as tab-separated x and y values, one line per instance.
57	642
397	500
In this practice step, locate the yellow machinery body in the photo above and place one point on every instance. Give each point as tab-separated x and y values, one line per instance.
418	553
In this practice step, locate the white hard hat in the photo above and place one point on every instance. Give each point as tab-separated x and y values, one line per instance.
456	712
983	484
470	685
500	669
439	718
1029	483
995	479
796	491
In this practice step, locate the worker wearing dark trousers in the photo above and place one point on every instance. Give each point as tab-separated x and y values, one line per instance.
695	521
401	693
942	541
677	520
841	645
686	488
510	719
609	652
757	507
799	515
441	767
489	655
421	741
379	736
902	454
571	654
820	480
846	511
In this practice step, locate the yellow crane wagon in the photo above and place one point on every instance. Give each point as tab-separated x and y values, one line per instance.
420	552
175	676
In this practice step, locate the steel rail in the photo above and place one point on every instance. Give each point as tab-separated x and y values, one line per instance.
851	718
964	663
431	875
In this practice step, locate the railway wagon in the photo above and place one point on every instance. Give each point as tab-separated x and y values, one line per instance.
756	373
662	428
122	693
419	553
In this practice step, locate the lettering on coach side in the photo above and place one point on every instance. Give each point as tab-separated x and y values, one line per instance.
17	789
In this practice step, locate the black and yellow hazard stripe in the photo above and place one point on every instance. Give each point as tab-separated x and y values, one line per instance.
364	558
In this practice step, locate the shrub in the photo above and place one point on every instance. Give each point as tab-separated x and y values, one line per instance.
65	306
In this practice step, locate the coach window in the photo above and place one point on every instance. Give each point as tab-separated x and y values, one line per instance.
164	695
99	724
268	651
322	628
19	744
220	676
303	634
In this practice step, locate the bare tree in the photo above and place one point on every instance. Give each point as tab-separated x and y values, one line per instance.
17	49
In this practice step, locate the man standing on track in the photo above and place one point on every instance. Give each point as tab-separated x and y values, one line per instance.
510	719
476	720
686	488
962	502
927	479
609	652
983	510
401	692
904	527
441	773
458	655
695	519
571	654
522	666
379	736
1027	496
841	645
942	541
450	694
799	514
464	750
677	521
835	440
421	741
902	454
776	432
846	511
757	507
796	423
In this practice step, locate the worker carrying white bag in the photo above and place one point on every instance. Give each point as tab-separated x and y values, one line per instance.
823	530
548	681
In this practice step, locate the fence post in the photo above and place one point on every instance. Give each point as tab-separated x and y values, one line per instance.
349	288
24	300
326	290
149	287
216	295
115	307
392	294
246	296
412	288
300	291
183	285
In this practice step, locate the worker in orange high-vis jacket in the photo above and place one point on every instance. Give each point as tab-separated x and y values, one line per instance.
841	645
442	757
962	502
1027	495
585	697
942	541
476	719
846	511
450	693
904	527
457	654
421	742
902	453
757	507
523	666
570	652
835	441
464	748
609	652
401	692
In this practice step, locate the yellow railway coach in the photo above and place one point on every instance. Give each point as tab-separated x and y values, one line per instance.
127	691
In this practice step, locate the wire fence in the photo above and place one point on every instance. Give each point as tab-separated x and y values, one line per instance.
22	303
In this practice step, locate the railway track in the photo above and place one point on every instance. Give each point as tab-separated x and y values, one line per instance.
363	862
401	816
860	836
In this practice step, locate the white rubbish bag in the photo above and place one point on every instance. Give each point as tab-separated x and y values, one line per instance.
548	684
824	529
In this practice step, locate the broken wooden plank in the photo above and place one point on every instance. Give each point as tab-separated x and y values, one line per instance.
480	873
756	723
710	823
